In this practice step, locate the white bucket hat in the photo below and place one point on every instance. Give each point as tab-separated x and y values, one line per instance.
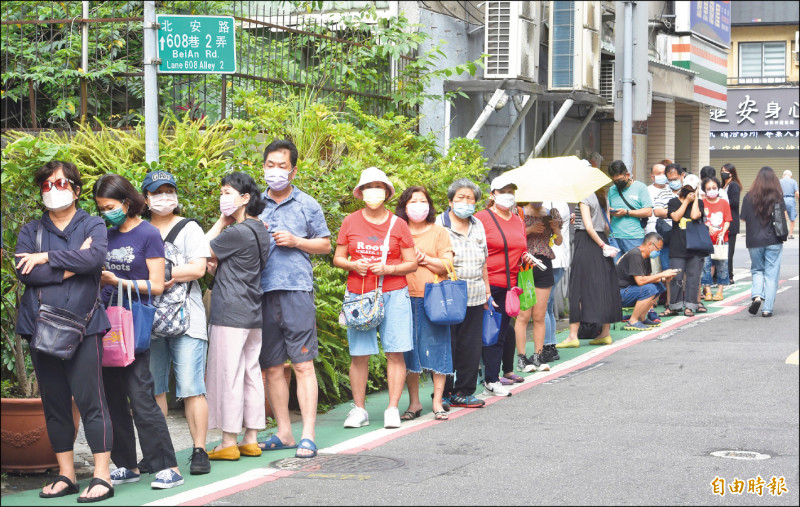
370	175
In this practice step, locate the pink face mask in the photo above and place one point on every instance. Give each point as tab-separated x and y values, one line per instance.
227	204
713	193
417	211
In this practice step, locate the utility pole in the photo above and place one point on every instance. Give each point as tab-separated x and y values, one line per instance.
627	87
150	83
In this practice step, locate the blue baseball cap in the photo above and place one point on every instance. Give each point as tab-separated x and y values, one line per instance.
155	179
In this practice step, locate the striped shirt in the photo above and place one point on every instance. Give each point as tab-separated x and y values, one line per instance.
470	253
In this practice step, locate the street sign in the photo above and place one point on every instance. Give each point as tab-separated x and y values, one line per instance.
196	44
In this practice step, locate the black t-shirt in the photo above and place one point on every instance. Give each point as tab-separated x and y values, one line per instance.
758	233
677	238
632	264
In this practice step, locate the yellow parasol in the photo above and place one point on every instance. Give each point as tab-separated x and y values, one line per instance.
568	179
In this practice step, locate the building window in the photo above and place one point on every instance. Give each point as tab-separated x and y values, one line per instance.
762	62
563	50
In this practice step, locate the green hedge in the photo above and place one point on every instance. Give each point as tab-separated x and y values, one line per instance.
334	146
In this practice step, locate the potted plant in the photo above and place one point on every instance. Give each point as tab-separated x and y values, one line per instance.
24	443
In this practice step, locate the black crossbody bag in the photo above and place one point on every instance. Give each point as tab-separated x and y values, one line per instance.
642	221
58	332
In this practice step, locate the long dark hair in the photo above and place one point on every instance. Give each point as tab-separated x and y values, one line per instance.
764	193
245	184
734	174
601	194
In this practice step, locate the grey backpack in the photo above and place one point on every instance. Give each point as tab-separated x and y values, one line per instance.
172	313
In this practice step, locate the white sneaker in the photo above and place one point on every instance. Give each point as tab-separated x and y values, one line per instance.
495	389
391	417
357	418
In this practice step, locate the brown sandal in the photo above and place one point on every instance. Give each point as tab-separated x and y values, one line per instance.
441	415
669	312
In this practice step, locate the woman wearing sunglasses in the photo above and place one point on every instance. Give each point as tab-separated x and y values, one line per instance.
62	268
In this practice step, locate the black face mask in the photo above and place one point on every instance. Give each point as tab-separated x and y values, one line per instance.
725	176
621	184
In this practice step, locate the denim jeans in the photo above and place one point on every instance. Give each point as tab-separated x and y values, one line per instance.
765	266
721	274
550	316
626	244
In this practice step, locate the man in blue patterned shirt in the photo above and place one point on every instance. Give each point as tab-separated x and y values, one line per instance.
298	230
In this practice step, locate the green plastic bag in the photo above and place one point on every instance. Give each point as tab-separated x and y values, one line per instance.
525	282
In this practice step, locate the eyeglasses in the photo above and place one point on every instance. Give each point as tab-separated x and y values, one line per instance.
60	184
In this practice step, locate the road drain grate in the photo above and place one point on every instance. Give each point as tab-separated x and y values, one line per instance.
740	455
348	463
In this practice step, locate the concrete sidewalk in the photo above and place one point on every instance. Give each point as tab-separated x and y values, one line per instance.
330	436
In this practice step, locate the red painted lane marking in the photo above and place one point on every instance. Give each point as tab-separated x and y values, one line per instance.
464	411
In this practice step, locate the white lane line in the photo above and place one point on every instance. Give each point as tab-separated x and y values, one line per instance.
794	357
208	489
794	279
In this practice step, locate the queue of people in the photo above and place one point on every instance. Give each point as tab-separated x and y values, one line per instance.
262	310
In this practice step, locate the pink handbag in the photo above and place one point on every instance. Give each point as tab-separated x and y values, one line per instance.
118	343
512	301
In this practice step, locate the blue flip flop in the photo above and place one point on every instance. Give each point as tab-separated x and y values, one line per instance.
274	443
306	444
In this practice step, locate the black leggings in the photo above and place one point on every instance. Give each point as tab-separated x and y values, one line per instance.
466	343
80	378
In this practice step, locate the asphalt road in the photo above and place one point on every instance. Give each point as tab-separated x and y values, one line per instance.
636	428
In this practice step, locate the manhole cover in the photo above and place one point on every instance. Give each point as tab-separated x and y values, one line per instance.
740	455
337	463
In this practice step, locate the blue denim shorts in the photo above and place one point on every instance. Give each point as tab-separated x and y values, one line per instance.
188	355
633	293
432	349
396	328
791	210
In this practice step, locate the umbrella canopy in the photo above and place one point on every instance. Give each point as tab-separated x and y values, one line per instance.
568	179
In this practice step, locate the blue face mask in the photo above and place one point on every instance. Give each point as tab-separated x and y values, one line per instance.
675	184
463	210
654	254
116	216
661	179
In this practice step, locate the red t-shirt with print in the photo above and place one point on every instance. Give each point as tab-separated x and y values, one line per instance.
514	231
716	214
364	240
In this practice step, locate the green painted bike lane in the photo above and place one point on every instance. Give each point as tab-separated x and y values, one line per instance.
329	430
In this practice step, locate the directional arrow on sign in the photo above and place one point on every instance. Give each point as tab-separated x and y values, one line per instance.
162	43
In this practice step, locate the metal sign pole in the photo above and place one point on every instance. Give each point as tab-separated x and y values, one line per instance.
150	83
627	88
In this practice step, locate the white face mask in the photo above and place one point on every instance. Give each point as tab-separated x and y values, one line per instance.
713	193
505	201
374	197
163	204
58	200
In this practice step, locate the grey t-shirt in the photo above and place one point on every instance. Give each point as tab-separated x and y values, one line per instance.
789	187
598	222
236	296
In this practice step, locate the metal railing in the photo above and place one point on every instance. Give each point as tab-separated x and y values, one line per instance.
279	52
761	80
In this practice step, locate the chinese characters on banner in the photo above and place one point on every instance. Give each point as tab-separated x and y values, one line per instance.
755	486
758	119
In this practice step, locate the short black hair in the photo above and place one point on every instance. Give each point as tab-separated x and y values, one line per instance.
282	144
400	209
652	237
245	184
707	180
68	168
674	167
114	186
707	172
616	168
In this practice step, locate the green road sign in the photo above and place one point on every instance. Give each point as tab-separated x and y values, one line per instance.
196	44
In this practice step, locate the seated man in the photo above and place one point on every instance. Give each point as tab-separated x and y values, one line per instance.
637	287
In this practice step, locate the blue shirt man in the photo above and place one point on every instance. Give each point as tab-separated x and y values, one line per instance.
289	329
628	202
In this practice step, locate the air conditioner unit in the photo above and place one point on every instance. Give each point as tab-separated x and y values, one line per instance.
607	81
512	40
574	46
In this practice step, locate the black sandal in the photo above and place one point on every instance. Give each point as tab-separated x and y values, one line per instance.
687	312
96	481
410	416
701	308
669	312
71	489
